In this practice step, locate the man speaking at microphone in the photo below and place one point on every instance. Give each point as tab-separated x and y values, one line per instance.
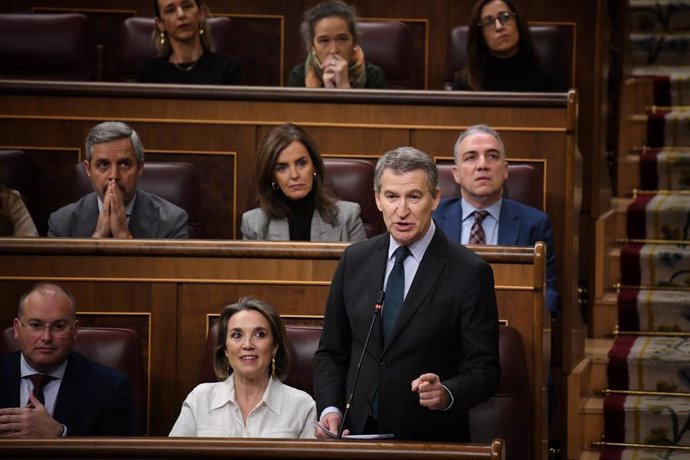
433	353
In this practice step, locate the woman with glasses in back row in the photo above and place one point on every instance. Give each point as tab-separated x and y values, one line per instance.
500	55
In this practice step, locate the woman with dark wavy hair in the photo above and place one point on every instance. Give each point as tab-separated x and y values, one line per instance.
251	360
183	38
294	202
500	55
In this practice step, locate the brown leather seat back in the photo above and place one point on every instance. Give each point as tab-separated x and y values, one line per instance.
137	46
46	47
352	179
113	347
508	414
302	340
389	45
176	182
553	45
525	183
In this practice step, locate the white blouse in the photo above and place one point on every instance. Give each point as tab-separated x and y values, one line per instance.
211	410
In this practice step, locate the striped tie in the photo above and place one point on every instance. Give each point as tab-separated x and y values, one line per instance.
477	235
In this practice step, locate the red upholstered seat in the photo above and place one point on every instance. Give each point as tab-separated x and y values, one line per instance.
113	347
175	182
389	45
46	47
352	179
525	183
553	45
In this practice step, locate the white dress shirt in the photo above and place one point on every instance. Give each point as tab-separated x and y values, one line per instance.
211	410
50	390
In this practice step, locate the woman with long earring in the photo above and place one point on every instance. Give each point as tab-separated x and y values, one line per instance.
251	360
182	36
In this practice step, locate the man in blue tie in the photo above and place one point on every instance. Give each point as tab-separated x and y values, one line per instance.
434	354
46	389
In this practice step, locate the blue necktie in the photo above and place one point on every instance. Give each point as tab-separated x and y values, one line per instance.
395	291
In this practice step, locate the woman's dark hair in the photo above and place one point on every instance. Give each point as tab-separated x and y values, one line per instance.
221	365
478	51
6	202
165	49
327	9
272	201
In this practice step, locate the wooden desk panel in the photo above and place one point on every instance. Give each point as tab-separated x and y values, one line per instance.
180	283
181	119
165	448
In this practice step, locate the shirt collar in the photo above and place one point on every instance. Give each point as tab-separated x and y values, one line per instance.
418	248
273	396
26	370
493	209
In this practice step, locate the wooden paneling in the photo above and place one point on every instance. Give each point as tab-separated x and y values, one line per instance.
181	283
368	123
164	448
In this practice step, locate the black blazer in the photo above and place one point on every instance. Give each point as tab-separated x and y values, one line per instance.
93	400
447	325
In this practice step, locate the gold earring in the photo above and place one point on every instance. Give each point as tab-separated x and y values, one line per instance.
202	29
273	367
162	38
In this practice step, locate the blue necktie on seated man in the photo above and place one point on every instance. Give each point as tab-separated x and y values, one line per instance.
395	291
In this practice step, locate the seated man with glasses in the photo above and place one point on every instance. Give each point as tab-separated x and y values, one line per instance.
46	389
500	55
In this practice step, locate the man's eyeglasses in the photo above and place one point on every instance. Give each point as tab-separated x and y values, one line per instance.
58	328
504	17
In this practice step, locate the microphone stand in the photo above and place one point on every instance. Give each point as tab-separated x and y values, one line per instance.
377	310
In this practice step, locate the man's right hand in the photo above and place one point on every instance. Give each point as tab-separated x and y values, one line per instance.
103	223
330	421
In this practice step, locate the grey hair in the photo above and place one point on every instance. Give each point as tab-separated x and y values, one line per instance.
479	129
405	159
112	131
44	288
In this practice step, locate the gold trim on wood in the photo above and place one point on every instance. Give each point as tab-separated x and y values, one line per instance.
46	9
167	121
639	446
167	280
644	393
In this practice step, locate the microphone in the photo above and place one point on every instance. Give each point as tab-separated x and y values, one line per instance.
377	310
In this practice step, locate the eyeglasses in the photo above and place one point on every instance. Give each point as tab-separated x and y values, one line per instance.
59	328
504	17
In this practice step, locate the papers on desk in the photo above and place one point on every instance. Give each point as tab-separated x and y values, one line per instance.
354	437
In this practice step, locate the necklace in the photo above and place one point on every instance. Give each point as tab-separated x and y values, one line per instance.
186	66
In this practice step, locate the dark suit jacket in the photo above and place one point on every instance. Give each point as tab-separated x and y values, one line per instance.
93	400
152	217
519	225
447	325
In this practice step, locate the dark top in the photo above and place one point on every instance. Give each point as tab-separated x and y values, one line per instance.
210	69
375	76
93	399
299	220
514	74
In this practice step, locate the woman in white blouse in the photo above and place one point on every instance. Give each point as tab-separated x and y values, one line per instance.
251	359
